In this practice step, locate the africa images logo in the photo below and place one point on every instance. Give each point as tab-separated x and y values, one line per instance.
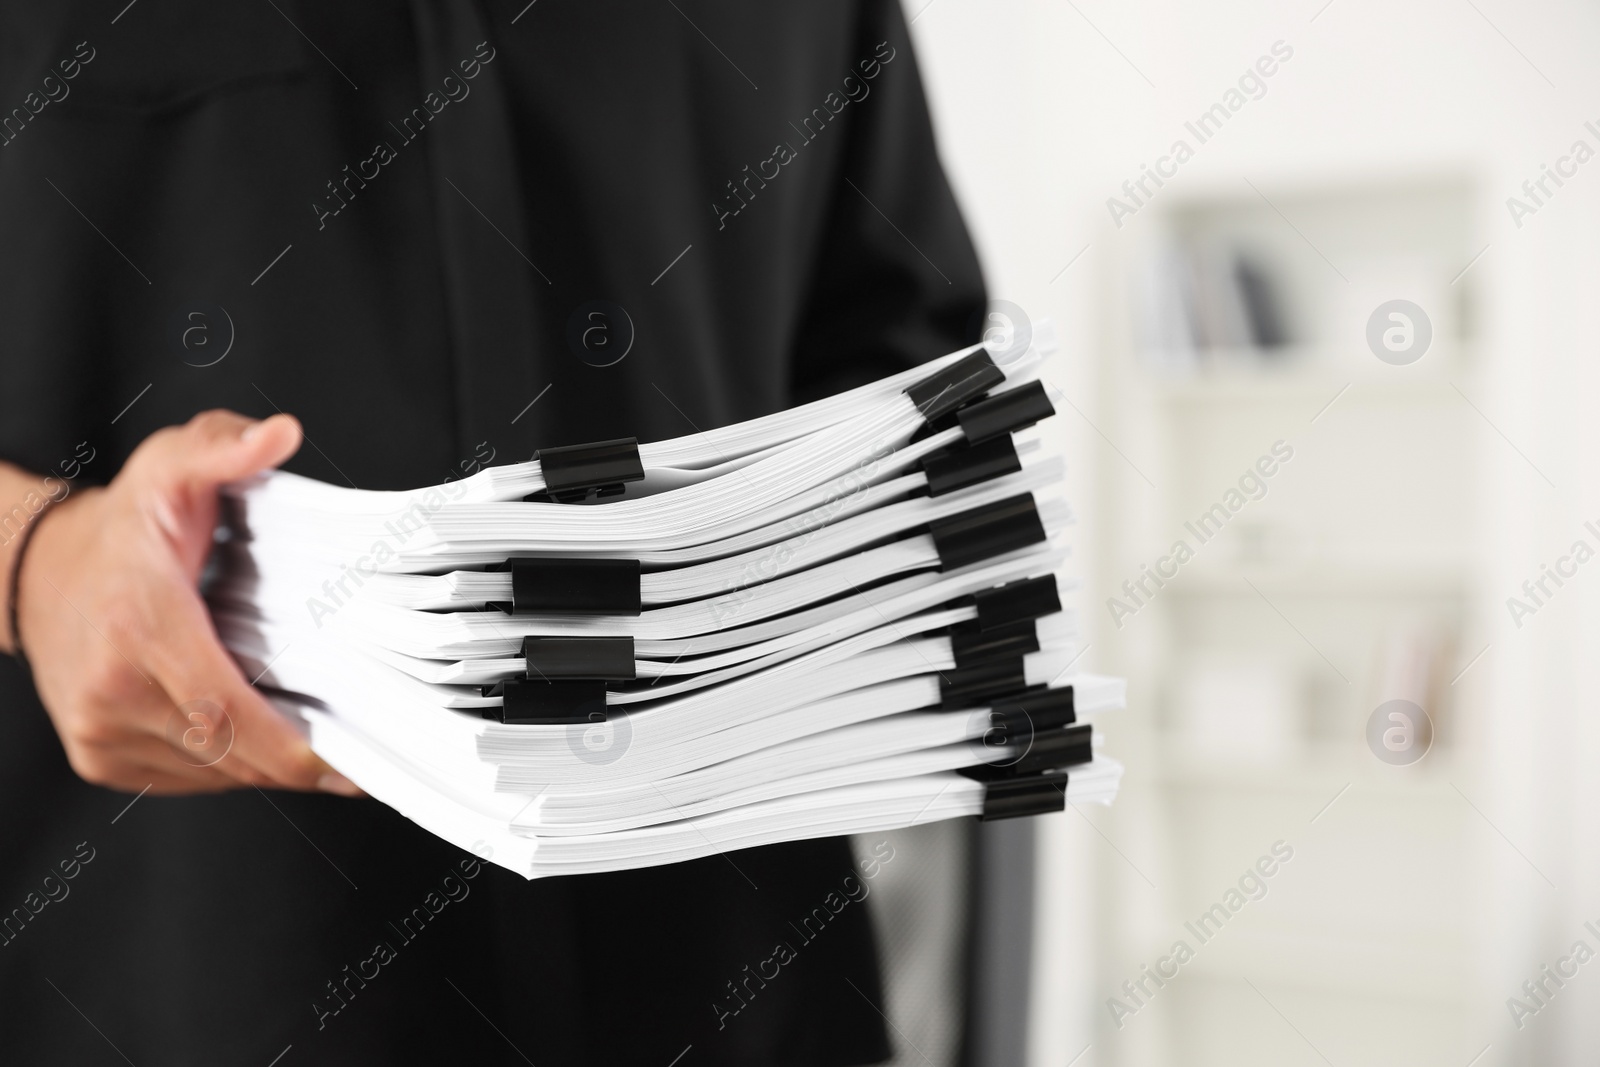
201	334
600	333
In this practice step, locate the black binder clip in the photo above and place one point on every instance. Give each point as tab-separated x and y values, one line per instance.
941	393
972	686
957	468
574	586
1027	714
1003	413
606	659
1032	733
537	703
1027	598
1015	797
973	645
565	680
573	472
987	531
1066	746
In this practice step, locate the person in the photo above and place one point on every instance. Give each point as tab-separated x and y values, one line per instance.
384	245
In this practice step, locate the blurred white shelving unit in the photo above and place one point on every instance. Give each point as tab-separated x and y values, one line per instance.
1347	581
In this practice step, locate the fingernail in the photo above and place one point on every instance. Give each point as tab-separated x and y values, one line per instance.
333	782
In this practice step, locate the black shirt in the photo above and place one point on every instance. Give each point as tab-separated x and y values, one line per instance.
442	234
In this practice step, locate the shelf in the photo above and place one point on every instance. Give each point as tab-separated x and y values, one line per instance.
1370	544
1316	769
1432	970
1314	577
1313	373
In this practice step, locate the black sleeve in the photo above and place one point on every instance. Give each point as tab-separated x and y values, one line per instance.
897	280
49	379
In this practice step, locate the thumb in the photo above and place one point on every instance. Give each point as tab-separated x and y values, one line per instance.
216	447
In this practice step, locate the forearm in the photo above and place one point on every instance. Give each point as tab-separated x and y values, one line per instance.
24	496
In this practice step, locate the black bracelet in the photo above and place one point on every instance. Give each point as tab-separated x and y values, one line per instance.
23	538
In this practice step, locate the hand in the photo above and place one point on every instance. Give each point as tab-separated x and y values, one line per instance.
119	638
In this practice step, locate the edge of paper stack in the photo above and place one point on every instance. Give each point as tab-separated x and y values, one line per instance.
840	618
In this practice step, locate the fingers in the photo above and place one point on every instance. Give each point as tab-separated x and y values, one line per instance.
122	747
215	447
191	665
147	740
139	762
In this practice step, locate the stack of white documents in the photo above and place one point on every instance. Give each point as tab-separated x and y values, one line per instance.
839	618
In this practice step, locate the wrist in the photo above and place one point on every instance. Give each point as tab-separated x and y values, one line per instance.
23	548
